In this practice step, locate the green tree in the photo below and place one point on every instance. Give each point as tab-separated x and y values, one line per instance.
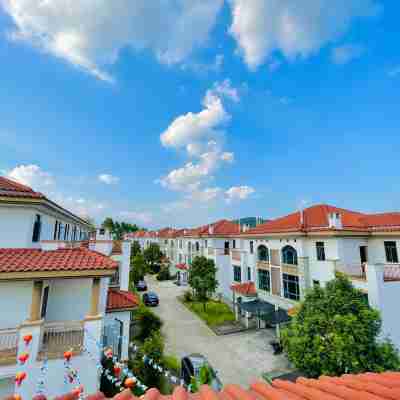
108	224
118	229
335	331
148	323
138	269
135	249
153	256
202	278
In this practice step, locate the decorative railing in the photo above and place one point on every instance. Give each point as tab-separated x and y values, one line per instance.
114	280
356	270
8	346
222	252
236	255
211	251
58	337
391	273
116	247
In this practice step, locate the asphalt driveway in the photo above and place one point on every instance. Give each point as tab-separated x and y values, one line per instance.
239	358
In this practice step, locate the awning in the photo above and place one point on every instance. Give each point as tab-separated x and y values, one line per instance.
257	306
276	317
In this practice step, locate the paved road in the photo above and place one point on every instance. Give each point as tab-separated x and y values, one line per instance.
238	358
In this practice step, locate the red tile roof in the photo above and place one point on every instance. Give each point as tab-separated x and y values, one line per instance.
24	260
9	188
222	227
369	386
246	288
315	218
121	300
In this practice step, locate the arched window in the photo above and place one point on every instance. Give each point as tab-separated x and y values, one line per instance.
289	255
262	253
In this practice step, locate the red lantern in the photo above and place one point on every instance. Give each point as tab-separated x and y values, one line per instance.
23	358
27	339
130	383
19	377
67	355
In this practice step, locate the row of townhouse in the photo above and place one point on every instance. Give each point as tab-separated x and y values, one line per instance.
64	286
271	266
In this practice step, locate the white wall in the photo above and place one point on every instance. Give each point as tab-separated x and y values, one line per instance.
69	299
17	222
376	249
15	303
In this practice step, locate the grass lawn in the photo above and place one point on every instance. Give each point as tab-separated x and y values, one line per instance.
216	312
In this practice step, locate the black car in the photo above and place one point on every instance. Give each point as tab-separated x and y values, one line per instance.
141	286
150	299
191	366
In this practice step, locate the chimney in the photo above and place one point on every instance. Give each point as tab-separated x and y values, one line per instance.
335	220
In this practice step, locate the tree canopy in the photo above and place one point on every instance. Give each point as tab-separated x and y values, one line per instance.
138	269
153	256
335	332
118	229
202	278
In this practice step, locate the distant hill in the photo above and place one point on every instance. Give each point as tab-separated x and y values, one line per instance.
251	221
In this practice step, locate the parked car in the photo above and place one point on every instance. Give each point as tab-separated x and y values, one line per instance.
150	299
141	286
191	366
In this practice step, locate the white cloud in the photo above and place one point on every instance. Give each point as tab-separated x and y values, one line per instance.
190	177
108	179
344	54
138	216
91	34
31	175
238	193
293	28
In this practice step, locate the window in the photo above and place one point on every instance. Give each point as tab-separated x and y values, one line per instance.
262	253
60	231
66	232
205	243
251	247
391	252
37	227
248	273
316	283
237	274
289	255
320	246
55	231
264	280
197	246
291	289
234	244
226	248
74	233
102	231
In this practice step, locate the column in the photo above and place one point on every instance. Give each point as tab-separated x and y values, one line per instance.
94	304
36	301
375	282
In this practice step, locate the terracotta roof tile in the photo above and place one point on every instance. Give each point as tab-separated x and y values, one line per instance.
315	218
9	188
24	260
121	300
348	387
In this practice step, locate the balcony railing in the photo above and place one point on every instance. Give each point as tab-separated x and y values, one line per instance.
211	251
236	255
222	252
356	270
58	337
8	346
391	273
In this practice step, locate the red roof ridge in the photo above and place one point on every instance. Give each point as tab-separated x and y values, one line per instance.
15	184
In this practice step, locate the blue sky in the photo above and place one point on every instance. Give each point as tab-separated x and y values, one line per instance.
190	111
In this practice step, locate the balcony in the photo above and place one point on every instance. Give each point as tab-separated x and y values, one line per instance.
211	251
58	337
391	273
8	346
236	255
263	264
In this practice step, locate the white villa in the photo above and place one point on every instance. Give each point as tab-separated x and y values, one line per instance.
64	292
270	267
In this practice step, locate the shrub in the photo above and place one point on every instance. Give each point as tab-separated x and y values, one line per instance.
188	296
164	274
172	364
148	323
